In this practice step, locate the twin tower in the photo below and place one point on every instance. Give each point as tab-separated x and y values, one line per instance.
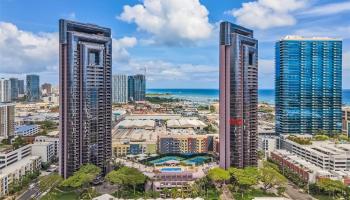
85	93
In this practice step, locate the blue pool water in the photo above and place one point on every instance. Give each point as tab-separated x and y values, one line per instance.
197	160
165	159
171	169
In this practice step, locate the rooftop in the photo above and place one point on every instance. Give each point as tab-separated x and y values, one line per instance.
297	37
17	165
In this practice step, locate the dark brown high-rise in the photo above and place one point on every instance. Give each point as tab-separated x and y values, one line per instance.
85	96
238	96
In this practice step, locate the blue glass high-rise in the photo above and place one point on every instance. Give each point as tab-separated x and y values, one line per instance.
308	85
33	88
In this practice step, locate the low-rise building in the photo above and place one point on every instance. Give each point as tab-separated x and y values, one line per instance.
54	140
267	144
16	171
46	151
27	130
9	156
325	154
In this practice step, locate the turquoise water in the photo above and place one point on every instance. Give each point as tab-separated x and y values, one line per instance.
198	160
265	95
165	159
171	169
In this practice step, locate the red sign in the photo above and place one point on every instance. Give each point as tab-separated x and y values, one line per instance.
236	121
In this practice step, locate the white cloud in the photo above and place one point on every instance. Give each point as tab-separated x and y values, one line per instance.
120	53
264	14
342	32
328	9
170	21
23	52
157	70
27	52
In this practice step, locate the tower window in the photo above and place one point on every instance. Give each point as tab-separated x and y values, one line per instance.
250	58
94	58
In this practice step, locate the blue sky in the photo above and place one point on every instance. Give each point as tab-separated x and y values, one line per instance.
174	41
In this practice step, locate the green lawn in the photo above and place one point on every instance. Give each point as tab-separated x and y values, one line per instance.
61	195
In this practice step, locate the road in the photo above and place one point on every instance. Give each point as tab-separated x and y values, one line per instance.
226	193
294	193
31	193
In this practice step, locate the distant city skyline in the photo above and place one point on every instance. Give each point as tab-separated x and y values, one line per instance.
171	54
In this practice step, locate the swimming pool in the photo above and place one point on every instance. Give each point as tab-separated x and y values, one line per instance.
171	169
165	159
197	160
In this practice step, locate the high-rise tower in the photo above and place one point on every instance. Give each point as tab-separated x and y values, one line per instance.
33	88
120	88
308	85
85	96
238	96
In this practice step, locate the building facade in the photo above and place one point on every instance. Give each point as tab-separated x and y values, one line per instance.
7	120
33	88
238	96
120	88
346	121
5	90
16	171
14	89
54	140
137	87
85	96
21	87
46	89
27	130
308	85
46	151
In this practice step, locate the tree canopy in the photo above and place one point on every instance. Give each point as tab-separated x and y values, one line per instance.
126	176
85	175
271	178
218	175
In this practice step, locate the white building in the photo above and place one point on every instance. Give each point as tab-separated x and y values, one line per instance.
54	140
17	170
324	154
46	150
7	118
8	156
52	98
346	121
5	90
120	88
27	130
267	143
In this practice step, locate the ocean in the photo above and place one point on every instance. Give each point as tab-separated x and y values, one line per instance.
202	95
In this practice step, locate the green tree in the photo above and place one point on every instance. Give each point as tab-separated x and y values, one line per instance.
82	178
321	137
18	142
332	187
49	181
218	175
271	178
126	176
116	178
244	178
